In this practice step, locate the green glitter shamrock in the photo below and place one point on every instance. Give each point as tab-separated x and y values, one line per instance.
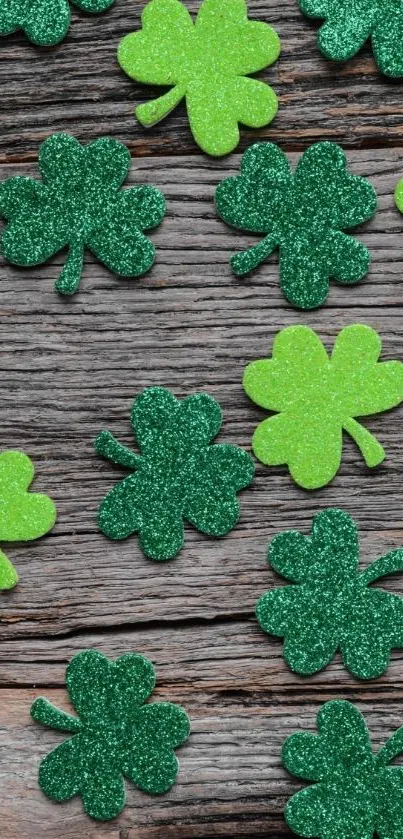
303	214
330	605
116	735
80	204
399	196
45	22
178	474
349	23
23	515
317	398
208	63
355	793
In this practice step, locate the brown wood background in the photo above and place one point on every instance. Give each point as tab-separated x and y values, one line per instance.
70	367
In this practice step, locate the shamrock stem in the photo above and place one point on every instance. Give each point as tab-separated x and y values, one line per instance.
8	574
388	564
70	277
110	448
392	748
371	450
246	261
44	712
152	112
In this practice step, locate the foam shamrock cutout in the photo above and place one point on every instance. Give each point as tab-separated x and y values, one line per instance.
45	22
117	734
80	204
355	793
23	515
329	605
350	23
178	474
317	398
303	214
207	62
399	196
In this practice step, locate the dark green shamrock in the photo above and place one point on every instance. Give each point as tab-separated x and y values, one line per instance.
80	204
350	22
178	475
303	214
355	792
331	604
45	22
116	735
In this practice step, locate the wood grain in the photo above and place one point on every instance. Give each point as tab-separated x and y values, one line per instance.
70	367
78	86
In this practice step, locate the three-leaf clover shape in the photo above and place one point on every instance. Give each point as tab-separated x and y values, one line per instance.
317	398
330	604
80	204
208	63
45	22
355	792
303	214
23	515
177	475
349	23
116	734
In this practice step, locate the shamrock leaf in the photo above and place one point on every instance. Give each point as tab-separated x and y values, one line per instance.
349	23
177	476
355	793
208	63
303	214
116	735
317	398
81	204
23	515
329	606
45	22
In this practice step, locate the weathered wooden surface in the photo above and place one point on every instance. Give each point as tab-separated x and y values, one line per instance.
70	367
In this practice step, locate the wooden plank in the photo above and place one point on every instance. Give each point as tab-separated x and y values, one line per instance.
73	366
243	702
79	87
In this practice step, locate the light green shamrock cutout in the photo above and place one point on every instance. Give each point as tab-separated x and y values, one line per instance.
355	793
317	398
23	515
45	22
208	63
331	604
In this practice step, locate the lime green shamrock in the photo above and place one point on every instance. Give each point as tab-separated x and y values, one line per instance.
399	196
317	398
355	793
331	604
178	475
208	63
80	204
45	22
116	735
349	23
303	214
23	515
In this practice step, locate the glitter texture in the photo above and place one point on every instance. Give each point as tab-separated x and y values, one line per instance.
116	734
80	204
317	398
399	196
355	793
23	515
178	475
330	606
208	63
349	23
45	22
303	214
